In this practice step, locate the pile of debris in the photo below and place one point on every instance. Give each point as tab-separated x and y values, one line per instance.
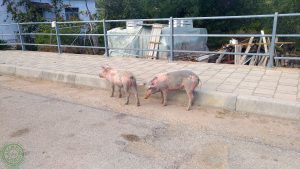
253	45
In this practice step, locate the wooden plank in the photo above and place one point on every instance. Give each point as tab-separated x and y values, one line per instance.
154	41
255	58
264	59
237	58
204	57
243	59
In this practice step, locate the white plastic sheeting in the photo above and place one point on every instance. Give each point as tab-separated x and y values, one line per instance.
139	42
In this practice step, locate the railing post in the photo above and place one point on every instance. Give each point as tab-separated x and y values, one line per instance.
57	37
21	37
272	48
171	21
105	39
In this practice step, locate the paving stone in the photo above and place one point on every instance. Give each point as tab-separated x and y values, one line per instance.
284	96
266	84
290	82
215	81
287	89
209	86
294	75
252	78
264	91
247	85
241	91
226	88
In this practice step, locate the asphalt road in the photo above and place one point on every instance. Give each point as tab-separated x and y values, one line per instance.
64	127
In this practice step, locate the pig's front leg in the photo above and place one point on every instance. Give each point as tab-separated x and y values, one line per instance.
136	96
191	98
112	90
120	92
162	97
127	93
165	95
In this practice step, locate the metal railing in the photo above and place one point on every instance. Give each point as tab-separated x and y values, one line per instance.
106	47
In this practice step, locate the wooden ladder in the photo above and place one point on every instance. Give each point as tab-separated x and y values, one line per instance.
154	41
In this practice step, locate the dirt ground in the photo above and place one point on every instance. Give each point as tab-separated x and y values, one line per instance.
220	126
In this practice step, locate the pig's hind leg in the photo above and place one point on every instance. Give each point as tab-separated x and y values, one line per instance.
120	92
189	88
127	93
135	91
165	95
112	90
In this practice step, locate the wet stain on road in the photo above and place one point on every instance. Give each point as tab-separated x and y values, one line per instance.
131	137
20	132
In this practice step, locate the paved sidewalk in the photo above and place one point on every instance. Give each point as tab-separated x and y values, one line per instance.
280	84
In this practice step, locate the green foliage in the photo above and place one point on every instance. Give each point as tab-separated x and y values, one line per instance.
63	29
132	9
3	47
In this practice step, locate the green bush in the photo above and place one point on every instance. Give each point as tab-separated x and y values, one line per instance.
3	47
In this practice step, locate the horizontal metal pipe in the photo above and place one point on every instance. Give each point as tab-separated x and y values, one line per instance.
289	14
38	34
175	35
288	35
227	53
137	35
287	58
34	23
91	47
70	34
73	22
125	20
188	51
4	44
139	49
35	44
7	24
164	19
224	35
226	17
6	34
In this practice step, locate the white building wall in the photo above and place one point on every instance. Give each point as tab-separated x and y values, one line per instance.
80	4
6	29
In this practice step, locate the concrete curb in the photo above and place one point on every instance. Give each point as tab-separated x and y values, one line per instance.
233	102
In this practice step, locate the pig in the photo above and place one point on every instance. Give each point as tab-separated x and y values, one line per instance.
165	82
121	79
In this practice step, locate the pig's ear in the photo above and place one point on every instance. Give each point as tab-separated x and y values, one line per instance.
105	67
153	80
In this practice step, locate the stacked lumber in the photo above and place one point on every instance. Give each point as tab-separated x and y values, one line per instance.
253	45
154	41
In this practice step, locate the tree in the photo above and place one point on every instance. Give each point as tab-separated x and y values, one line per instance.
22	10
57	8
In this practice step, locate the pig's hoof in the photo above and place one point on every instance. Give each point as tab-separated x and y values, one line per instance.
188	109
120	96
111	95
126	103
138	104
164	104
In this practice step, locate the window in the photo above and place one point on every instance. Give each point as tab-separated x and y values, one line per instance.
71	13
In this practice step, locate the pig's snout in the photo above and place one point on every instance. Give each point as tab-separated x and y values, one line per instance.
148	94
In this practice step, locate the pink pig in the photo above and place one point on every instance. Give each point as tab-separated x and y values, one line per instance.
176	80
121	79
